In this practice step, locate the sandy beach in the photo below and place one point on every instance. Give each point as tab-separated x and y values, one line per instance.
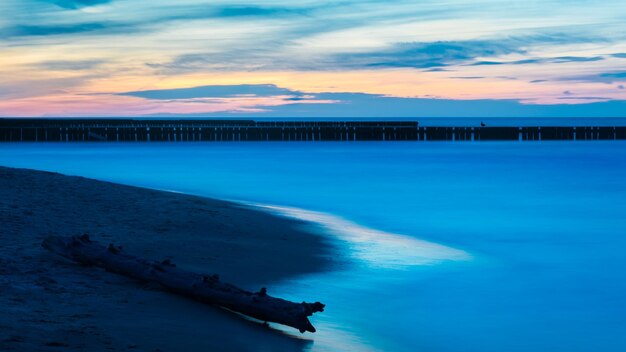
53	304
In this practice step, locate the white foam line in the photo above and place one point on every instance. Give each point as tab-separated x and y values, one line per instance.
377	249
374	248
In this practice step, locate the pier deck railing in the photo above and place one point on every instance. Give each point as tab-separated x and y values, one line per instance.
103	130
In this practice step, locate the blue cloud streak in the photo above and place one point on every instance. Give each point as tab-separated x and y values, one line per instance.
372	105
217	91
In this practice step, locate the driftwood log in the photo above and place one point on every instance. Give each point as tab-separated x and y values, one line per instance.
207	289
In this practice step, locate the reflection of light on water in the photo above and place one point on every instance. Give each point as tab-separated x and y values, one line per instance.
336	290
377	249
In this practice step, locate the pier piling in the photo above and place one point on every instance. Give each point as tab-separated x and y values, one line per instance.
127	130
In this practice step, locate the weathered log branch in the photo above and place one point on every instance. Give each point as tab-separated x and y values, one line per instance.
207	289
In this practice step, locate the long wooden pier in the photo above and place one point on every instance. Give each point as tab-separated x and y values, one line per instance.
117	130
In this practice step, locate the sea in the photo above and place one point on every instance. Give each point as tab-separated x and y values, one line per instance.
484	246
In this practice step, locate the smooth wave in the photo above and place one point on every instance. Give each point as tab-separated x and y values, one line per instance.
375	248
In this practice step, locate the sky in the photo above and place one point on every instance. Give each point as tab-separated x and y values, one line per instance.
275	58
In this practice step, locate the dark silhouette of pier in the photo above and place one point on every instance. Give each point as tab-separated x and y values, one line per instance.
128	130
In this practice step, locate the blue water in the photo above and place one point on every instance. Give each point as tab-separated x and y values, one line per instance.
529	238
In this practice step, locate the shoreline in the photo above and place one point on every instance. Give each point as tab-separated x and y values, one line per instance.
50	302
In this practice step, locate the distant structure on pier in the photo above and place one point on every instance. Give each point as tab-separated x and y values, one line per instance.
140	130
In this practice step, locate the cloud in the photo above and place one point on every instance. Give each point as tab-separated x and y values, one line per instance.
549	60
614	75
48	22
468	77
23	87
361	105
367	105
193	10
585	98
64	29
427	55
69	65
241	11
205	11
216	91
470	52
343	105
486	63
206	62
564	59
332	38
76	4
607	77
437	69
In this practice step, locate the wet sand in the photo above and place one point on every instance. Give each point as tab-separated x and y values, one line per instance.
49	303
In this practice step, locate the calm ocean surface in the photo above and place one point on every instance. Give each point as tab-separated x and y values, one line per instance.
455	246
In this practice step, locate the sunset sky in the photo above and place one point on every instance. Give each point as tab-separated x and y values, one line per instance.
312	58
